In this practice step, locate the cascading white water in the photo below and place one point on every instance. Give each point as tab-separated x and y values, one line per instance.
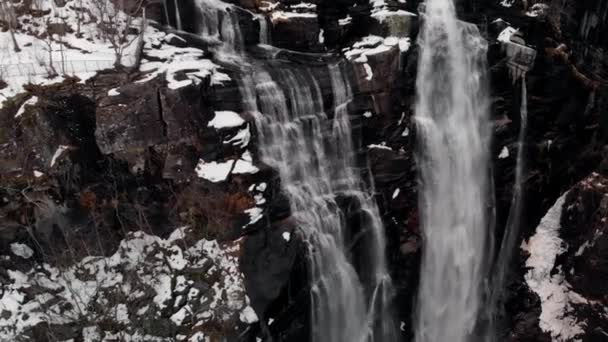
264	30
452	121
315	158
314	154
220	24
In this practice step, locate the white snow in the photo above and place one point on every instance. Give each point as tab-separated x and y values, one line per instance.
380	146
554	291
286	236
245	164
248	315
113	92
261	187
345	21
22	250
321	36
241	139
58	153
38	174
278	16
226	119
368	71
382	15
94	286
367	114
504	153
406	132
507	3
72	55
505	35
255	214
179	317
214	171
396	193
30	102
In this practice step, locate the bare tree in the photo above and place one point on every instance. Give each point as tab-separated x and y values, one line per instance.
7	14
115	22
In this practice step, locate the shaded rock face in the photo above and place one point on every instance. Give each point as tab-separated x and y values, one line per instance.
584	263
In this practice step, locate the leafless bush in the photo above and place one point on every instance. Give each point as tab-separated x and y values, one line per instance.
115	24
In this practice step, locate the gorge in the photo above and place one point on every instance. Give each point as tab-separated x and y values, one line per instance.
286	170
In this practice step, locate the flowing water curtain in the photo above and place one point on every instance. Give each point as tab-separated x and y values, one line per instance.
452	119
314	155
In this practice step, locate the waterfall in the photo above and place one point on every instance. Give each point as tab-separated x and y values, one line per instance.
315	159
178	17
264	31
453	130
220	24
509	239
314	154
166	12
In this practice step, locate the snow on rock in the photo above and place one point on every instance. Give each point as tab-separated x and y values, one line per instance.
79	49
505	35
214	171
507	3
255	214
383	14
171	61
554	291
369	72
134	285
286	236
248	315
504	153
241	139
278	16
113	92
396	193
31	102
226	119
58	153
219	171
361	51
22	250
380	146
245	164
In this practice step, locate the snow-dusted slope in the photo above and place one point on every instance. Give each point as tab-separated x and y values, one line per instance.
180	284
73	40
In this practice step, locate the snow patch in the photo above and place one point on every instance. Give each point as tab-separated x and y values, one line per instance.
396	193
58	153
505	35
555	292
214	172
226	119
504	153
31	102
380	146
22	250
